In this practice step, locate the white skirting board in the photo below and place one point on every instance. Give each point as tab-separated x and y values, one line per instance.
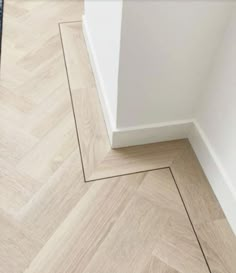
217	176
122	137
98	78
218	179
152	133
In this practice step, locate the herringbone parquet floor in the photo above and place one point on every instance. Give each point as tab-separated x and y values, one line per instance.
37	127
51	221
38	144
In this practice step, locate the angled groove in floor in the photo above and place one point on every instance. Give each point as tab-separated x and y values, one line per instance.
97	154
64	188
145	171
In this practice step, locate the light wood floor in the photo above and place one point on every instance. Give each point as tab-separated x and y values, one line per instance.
68	202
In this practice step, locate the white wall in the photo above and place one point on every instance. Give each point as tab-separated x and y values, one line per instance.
102	21
163	66
217	108
216	120
167	48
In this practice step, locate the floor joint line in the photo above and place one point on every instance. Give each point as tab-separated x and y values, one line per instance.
190	220
126	174
70	22
76	127
72	104
144	171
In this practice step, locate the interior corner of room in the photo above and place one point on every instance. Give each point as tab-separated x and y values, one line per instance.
117	136
175	80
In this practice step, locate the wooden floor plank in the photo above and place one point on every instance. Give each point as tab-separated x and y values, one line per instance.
156	265
17	246
219	244
49	154
51	221
99	159
117	228
212	228
51	205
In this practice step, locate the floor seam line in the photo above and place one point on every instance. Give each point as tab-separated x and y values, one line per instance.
1	31
81	157
72	103
190	220
126	174
70	22
76	127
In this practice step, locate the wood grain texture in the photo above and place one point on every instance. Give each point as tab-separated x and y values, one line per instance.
219	244
99	159
41	177
17	246
117	228
195	189
50	219
156	265
37	126
215	235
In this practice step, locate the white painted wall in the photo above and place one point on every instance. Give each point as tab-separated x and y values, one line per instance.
216	113
102	21
217	108
167	49
216	120
166	70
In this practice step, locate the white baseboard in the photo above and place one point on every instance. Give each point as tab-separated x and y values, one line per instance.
122	137
98	78
218	179
152	133
217	176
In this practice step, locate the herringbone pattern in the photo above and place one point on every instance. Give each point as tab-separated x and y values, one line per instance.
38	145
51	221
99	160
37	127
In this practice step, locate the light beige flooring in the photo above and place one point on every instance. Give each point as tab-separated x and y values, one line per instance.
145	209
